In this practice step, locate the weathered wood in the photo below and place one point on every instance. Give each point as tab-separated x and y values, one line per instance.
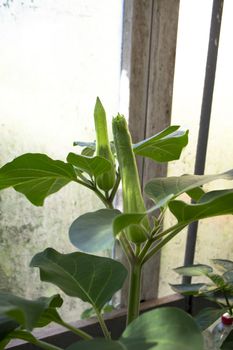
151	60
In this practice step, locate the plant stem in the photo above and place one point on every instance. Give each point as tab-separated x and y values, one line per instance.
154	250
134	292
126	247
106	202
77	331
114	190
103	324
45	345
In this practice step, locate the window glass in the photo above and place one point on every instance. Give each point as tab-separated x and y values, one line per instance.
214	234
55	58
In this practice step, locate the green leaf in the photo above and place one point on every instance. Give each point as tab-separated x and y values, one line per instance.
228	277
219	297
196	193
36	176
94	166
21	334
223	265
189	289
194	270
6	326
91	278
84	144
88	152
159	188
25	312
90	312
124	220
163	147
166	328
93	232
4	342
206	317
217	280
228	342
48	316
212	204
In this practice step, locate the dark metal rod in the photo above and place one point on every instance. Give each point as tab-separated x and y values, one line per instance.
205	118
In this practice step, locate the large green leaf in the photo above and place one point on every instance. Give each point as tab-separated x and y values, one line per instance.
194	270
36	176
163	147
91	278
189	289
162	329
213	203
19	334
94	166
93	232
6	326
161	187
206	317
165	329
25	312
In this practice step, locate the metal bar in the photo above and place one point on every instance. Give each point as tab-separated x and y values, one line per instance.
207	98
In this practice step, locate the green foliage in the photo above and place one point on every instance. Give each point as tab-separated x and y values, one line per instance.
164	146
36	176
27	313
93	232
95	279
161	187
6	326
90	278
219	288
94	166
153	330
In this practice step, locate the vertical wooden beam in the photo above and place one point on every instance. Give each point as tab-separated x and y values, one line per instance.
151	64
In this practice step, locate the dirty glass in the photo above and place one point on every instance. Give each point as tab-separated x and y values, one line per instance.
55	58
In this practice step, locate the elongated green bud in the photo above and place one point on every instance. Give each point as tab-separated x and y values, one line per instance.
132	196
106	180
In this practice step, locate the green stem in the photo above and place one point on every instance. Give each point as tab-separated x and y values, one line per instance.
77	331
114	190
126	247
134	292
145	249
154	250
137	249
106	202
45	345
103	324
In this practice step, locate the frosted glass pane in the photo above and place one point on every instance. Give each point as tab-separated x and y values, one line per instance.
55	58
215	238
